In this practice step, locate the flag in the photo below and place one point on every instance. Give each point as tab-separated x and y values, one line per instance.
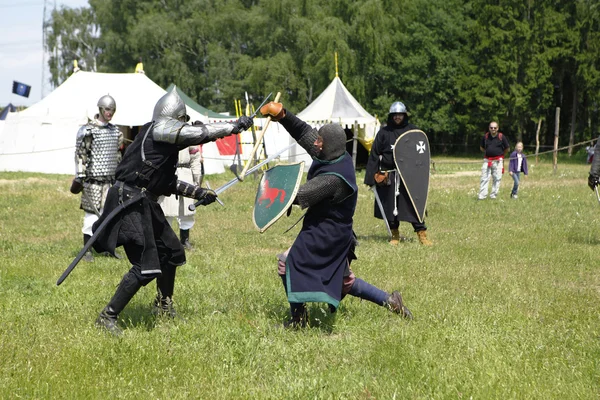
21	89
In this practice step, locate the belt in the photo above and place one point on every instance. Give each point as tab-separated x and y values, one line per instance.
134	189
188	165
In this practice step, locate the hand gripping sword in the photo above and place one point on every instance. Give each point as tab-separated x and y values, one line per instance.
232	182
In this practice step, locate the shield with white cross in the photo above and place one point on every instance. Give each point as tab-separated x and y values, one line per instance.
412	157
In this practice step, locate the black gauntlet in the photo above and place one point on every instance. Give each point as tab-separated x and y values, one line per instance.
195	192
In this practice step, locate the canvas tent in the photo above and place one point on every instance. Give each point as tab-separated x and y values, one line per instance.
337	105
42	137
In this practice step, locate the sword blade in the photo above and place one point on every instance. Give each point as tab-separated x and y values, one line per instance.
378	201
97	232
232	182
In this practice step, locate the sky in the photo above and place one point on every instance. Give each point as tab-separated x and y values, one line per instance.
21	47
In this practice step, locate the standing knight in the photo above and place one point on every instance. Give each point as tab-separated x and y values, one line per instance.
133	218
97	154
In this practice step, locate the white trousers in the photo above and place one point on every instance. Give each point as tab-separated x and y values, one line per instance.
88	221
495	172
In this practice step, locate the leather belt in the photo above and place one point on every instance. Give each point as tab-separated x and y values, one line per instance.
135	189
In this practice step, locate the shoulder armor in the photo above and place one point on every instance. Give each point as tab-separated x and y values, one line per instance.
167	130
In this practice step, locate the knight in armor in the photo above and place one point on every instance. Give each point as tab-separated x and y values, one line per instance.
381	172
97	154
132	217
317	266
177	207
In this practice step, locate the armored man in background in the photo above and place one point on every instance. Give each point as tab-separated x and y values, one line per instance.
132	218
97	153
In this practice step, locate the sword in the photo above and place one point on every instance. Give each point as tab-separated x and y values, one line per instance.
378	201
262	134
237	149
97	232
232	182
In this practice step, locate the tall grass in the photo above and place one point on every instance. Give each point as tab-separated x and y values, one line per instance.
505	302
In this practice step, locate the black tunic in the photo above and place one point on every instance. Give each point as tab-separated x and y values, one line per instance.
141	228
382	145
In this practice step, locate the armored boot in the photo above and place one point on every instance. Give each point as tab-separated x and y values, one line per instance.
163	303
108	317
397	237
184	235
423	238
395	305
89	257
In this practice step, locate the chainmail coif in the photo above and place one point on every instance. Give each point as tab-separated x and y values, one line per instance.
334	141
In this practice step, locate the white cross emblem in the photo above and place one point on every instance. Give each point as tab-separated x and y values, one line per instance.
421	147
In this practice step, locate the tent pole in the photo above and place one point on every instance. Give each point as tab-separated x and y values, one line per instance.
354	144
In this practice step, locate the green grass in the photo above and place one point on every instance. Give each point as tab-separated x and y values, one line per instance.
505	302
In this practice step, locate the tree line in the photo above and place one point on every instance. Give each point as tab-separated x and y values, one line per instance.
456	64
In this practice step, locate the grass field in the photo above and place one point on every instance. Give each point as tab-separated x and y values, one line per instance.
505	302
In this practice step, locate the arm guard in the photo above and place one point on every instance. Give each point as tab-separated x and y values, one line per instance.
322	187
176	132
82	151
188	190
303	133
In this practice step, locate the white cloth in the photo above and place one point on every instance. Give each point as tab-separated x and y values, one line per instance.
495	172
177	206
88	221
519	162
185	222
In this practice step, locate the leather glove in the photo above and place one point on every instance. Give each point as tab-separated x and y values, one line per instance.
206	196
274	110
76	185
593	181
242	124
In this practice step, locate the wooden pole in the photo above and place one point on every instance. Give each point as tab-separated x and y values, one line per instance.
257	142
556	129
537	141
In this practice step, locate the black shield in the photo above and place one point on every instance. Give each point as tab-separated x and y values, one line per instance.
412	157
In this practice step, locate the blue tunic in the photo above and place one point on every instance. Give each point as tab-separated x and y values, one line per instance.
318	258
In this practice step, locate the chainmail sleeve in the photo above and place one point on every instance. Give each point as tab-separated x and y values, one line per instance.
303	133
322	187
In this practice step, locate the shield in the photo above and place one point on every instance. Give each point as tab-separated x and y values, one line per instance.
412	157
276	192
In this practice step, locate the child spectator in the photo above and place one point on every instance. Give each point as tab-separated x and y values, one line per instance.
517	164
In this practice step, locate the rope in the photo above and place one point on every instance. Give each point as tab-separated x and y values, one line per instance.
434	163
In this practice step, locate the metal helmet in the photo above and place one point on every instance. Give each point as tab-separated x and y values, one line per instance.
170	106
398	108
106	102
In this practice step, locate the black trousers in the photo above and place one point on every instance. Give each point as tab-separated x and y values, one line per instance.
417	226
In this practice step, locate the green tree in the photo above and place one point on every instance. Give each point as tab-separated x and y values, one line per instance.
73	35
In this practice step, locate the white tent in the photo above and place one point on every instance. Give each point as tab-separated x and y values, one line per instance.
42	137
337	105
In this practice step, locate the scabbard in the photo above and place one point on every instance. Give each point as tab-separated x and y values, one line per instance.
97	233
